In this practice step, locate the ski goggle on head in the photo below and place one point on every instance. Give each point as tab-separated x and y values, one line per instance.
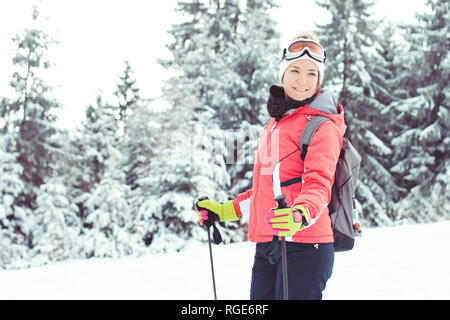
300	47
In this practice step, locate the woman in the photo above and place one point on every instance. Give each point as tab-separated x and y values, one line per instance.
306	185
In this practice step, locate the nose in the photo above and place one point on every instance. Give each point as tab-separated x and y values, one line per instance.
301	79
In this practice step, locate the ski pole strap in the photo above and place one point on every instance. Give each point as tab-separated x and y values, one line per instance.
272	248
216	234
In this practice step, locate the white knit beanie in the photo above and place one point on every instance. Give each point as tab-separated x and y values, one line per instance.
285	64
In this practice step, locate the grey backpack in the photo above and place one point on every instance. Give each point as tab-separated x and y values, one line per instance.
342	206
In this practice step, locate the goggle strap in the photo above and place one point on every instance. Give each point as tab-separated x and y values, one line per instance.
284	54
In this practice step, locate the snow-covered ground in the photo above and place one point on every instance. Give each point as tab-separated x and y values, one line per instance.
406	262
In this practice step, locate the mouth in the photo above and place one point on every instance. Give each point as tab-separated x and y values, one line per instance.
301	90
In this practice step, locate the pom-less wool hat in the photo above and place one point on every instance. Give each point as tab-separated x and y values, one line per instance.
303	49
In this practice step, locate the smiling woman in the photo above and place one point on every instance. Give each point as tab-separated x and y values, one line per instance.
305	184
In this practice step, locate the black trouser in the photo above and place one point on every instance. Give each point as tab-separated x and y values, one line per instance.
309	268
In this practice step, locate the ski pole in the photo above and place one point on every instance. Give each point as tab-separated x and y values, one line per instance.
212	264
217	239
282	204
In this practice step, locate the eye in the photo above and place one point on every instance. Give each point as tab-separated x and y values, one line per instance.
294	70
312	74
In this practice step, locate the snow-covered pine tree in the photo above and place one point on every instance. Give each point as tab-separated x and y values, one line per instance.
422	146
127	94
139	142
28	126
14	219
31	113
133	115
57	226
189	160
90	147
111	227
102	192
178	175
349	39
224	82
386	72
250	67
139	145
246	65
95	144
389	70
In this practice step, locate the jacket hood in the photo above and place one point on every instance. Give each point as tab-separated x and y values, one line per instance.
326	105
325	102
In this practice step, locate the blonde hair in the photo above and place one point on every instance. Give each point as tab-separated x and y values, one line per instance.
307	35
312	36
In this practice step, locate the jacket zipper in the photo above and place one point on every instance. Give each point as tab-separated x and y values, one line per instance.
276	122
274	126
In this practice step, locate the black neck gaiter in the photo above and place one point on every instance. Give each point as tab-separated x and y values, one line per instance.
277	105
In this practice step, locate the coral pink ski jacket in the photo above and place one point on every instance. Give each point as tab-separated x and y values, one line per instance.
278	166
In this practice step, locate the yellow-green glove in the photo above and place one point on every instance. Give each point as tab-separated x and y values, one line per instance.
209	210
286	222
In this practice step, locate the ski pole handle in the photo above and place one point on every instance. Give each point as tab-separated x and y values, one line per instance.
212	218
281	200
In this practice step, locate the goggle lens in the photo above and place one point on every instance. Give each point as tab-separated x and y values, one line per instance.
300	45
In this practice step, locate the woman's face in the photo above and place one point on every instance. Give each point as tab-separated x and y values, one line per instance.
300	80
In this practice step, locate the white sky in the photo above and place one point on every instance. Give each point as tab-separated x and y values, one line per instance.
96	36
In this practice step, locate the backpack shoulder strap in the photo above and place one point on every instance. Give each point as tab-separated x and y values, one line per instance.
308	132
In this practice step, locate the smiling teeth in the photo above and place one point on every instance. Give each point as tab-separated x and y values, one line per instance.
302	90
